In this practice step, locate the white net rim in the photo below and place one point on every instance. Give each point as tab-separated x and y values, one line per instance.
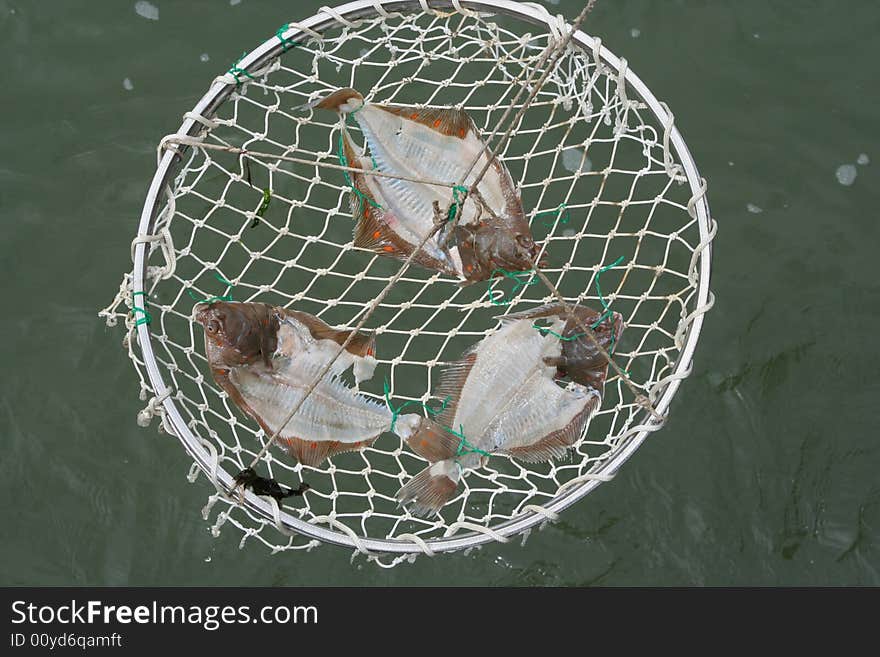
263	507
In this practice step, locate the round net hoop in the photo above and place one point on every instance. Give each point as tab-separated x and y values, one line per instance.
608	184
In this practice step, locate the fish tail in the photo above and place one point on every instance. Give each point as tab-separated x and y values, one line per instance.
343	101
431	488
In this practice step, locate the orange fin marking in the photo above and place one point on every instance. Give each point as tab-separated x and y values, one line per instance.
314	453
448	121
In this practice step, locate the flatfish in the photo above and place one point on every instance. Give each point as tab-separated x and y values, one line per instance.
266	358
395	215
504	399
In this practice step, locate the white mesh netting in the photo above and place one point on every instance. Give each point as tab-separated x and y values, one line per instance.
599	181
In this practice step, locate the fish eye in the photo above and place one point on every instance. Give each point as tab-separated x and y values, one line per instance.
213	326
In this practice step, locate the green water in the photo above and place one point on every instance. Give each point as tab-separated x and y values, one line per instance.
766	470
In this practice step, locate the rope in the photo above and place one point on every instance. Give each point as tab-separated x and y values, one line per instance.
406	264
197	142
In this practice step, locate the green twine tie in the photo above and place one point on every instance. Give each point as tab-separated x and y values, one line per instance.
456	201
605	315
544	331
344	162
235	70
226	297
147	317
604	303
287	42
564	216
515	276
395	412
464	447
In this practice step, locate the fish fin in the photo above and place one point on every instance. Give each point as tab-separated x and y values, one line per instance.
363	344
431	488
452	380
547	310
556	444
432	442
314	452
374	235
449	121
343	101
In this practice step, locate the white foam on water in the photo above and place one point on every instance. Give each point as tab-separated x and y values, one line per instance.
146	10
553	2
568	232
635	33
232	3
571	160
863	159
204	57
754	209
846	174
127	84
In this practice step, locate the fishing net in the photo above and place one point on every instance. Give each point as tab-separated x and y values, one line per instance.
244	206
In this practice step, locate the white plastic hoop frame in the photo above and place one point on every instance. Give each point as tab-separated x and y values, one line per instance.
532	515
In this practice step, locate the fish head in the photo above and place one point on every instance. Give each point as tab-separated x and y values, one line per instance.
490	247
238	333
585	363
